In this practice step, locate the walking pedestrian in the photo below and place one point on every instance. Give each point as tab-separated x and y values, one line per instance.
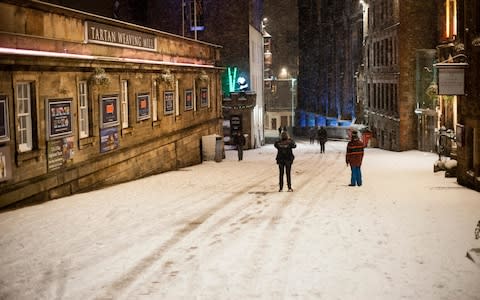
354	157
285	159
311	135
322	138
239	141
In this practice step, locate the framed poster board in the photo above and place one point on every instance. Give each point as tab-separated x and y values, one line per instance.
168	99
203	97
5	164
4	133
59	118
108	139
188	99
59	151
143	106
109	111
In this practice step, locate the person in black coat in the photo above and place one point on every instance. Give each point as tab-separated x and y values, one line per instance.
239	141
322	138
285	159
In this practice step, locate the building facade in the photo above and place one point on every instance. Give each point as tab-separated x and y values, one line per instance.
87	101
330	54
394	32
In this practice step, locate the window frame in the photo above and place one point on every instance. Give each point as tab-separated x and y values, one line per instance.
24	116
83	117
124	111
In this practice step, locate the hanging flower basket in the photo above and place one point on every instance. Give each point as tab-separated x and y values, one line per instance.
99	77
432	91
166	77
203	76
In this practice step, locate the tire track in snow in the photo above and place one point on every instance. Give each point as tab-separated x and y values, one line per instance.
290	234
126	281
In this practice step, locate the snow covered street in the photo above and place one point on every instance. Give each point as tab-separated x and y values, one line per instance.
223	231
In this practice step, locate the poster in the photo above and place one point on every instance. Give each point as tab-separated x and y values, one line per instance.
143	106
59	151
204	97
5	164
109	111
188	99
4	136
108	139
168	102
59	117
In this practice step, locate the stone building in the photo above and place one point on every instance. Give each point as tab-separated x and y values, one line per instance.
330	40
394	32
88	101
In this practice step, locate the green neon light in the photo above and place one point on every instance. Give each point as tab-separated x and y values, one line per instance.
232	78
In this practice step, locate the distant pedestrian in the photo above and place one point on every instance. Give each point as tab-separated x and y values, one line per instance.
322	138
280	131
354	157
311	135
285	159
239	141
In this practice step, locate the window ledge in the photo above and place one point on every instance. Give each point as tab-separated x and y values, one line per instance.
25	156
86	142
127	131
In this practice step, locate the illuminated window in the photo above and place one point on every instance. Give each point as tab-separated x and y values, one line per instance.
450	18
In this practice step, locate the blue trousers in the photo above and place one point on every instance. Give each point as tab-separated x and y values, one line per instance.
356	176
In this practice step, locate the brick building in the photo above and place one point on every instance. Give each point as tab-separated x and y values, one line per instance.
394	31
87	101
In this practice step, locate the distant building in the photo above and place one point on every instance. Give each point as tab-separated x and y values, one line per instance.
281	63
330	40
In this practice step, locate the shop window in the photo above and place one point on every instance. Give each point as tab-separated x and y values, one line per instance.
25	107
83	118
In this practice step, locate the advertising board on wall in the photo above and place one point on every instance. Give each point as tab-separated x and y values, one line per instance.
59	118
109	111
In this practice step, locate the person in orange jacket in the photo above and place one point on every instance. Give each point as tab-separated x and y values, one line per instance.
354	157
